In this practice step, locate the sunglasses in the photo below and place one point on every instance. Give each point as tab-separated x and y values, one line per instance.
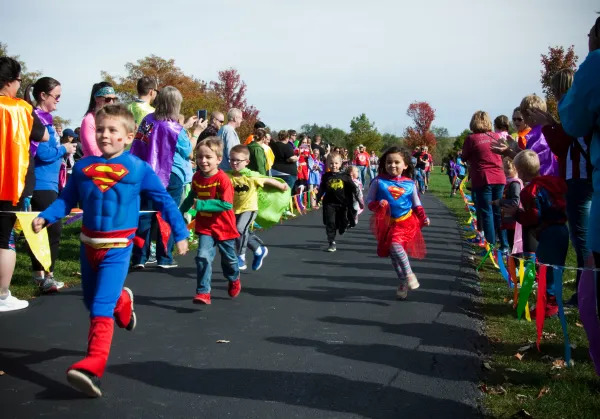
110	99
517	119
222	121
56	98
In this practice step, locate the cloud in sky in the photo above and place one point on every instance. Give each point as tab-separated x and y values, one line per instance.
311	61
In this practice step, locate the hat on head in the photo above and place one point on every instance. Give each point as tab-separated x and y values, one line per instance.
361	146
259	124
105	91
70	133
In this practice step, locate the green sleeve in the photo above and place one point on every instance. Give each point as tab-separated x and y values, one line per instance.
213	205
187	203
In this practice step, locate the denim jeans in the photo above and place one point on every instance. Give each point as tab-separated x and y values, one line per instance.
373	172
579	201
164	256
204	259
553	243
362	172
488	216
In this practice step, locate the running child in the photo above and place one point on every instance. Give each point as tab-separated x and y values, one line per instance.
359	203
245	205
107	188
340	194
215	221
398	216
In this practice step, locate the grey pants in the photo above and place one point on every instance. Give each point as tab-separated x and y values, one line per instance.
244	221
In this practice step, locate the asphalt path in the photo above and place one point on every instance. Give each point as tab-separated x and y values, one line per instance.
312	335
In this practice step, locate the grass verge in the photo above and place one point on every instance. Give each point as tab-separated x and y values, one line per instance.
530	385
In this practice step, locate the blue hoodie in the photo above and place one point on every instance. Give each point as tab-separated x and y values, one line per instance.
48	157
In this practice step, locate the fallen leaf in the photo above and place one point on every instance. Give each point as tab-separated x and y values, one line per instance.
223	341
543	391
578	324
483	388
2	372
499	390
573	346
506	300
558	364
519	356
511	370
521	414
487	366
521	396
548	335
525	348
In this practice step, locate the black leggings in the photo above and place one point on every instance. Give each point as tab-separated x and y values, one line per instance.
39	202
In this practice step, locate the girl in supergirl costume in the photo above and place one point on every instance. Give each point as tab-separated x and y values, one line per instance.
397	216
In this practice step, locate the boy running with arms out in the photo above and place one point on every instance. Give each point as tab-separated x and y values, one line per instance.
215	221
107	188
245	204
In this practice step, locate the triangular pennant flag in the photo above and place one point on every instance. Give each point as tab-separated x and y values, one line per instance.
38	243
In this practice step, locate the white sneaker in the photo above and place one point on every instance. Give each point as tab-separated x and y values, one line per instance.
402	291
10	303
413	284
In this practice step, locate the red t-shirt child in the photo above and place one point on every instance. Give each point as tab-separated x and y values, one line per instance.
219	225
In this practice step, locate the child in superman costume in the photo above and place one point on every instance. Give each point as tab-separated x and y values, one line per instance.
108	189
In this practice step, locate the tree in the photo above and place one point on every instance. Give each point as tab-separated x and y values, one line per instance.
422	115
388	140
440	132
460	140
557	59
231	89
27	78
329	134
57	120
363	131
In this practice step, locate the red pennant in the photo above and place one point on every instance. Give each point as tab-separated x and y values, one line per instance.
165	230
540	308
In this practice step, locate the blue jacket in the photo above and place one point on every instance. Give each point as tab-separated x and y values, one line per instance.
48	159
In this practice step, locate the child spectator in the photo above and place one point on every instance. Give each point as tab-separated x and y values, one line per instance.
510	198
107	188
258	157
215	221
460	170
359	203
245	205
340	193
397	216
316	169
543	214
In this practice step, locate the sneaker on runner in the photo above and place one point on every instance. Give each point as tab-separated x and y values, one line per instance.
48	286
242	264
234	288
168	265
331	247
402	291
10	303
85	382
59	284
202	299
413	284
258	259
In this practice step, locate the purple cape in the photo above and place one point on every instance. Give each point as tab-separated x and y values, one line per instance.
537	142
155	143
46	119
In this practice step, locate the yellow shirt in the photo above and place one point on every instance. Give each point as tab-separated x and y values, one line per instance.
245	197
269	155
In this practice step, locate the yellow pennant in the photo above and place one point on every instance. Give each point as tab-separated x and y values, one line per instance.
38	243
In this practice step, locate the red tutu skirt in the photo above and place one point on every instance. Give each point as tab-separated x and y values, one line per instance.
404	231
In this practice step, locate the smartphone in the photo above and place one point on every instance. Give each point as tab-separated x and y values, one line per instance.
201	114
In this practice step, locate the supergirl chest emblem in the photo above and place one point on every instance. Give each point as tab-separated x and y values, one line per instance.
396	192
105	176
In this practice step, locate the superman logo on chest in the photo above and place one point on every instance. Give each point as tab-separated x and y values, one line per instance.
105	176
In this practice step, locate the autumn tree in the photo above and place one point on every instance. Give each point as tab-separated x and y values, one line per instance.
363	131
420	134
329	134
557	59
231	89
27	77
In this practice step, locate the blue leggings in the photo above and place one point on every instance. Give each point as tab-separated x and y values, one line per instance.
102	287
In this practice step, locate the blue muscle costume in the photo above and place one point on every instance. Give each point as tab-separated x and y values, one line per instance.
109	191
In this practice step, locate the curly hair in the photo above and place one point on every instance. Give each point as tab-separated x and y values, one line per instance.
406	157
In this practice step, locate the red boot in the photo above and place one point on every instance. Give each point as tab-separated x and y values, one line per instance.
85	374
124	315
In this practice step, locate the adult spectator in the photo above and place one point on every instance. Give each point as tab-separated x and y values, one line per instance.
522	128
293	134
487	174
579	111
258	158
48	157
147	89
317	143
373	164
361	161
258	125
18	127
535	139
164	143
229	136
285	160
216	122
270	157
102	94
428	165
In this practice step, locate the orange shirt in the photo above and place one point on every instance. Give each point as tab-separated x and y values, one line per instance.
522	141
16	123
249	139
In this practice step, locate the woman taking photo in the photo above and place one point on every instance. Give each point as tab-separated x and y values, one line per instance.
47	159
102	94
164	143
17	127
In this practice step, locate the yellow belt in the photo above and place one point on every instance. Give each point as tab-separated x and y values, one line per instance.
404	217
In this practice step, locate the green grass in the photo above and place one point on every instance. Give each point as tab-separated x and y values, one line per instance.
573	392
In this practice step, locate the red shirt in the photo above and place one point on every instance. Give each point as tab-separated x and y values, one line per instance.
485	166
362	159
220	225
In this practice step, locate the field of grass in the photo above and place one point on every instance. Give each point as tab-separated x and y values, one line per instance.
529	385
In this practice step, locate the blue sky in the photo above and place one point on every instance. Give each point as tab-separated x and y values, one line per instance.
311	61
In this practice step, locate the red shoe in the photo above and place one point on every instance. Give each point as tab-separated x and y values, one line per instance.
201	299
124	315
234	288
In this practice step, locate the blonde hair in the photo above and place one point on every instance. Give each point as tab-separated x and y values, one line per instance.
334	155
561	82
533	102
120	112
527	162
350	169
508	165
480	122
214	143
241	149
